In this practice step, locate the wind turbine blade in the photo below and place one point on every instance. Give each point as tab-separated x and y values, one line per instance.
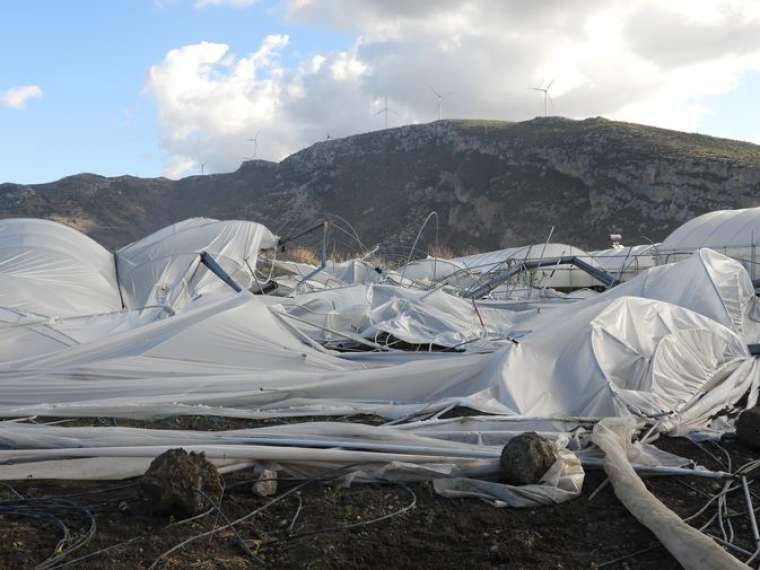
550	84
536	89
380	112
435	92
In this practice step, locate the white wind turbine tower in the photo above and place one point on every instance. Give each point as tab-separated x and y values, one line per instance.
385	110
440	102
545	91
255	141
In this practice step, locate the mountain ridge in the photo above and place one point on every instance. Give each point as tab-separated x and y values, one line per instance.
493	184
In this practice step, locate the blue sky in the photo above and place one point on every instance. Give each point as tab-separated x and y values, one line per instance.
328	64
90	58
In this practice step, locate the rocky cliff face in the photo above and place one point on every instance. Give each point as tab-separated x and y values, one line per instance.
492	183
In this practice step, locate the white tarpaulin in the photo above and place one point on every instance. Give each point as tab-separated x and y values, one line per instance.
631	355
51	270
233	357
554	276
722	228
164	268
411	315
625	262
708	283
235	354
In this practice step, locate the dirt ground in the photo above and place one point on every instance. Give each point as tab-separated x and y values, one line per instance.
306	528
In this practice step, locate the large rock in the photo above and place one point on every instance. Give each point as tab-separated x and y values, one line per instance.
748	427
176	482
526	458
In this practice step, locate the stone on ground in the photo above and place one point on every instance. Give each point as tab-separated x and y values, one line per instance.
266	486
526	458
176	481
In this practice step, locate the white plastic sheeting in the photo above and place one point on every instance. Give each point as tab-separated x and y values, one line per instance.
630	356
227	354
435	269
58	452
23	336
722	228
411	315
59	288
48	269
562	482
461	455
560	276
232	357
626	262
731	232
707	282
669	344
164	268
483	262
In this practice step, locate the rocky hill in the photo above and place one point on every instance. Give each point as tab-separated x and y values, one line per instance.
492	184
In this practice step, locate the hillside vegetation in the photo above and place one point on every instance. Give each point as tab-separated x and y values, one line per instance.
492	183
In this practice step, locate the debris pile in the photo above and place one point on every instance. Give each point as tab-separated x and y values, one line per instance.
548	348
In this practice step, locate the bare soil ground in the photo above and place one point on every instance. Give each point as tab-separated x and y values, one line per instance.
307	528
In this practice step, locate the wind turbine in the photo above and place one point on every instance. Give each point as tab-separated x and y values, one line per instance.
385	110
545	91
255	141
440	102
203	168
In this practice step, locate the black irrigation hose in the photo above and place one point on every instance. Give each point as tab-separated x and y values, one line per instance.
330	475
54	510
408	507
130	541
231	524
240	541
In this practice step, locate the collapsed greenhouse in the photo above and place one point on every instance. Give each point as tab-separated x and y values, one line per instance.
599	352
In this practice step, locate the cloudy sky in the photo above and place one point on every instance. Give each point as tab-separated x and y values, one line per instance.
161	87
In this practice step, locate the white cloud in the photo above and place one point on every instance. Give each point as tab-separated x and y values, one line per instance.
651	61
178	166
16	97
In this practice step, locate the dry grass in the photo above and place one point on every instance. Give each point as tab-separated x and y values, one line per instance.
80	222
301	254
441	252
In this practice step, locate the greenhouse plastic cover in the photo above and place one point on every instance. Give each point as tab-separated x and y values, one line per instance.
483	262
708	283
722	228
231	354
164	268
621	260
150	332
51	270
671	342
412	315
